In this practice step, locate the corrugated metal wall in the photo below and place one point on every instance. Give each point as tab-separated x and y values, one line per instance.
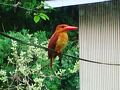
99	39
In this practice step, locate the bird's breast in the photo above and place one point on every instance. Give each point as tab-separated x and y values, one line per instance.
61	42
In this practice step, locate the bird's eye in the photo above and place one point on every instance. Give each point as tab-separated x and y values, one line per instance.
62	26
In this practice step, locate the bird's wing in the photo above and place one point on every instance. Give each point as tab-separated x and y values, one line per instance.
52	44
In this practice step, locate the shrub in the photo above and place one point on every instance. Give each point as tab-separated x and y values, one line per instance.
27	67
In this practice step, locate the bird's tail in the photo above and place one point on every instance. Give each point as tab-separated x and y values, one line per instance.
51	61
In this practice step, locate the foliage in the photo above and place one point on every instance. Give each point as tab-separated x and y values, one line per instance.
20	18
27	67
28	12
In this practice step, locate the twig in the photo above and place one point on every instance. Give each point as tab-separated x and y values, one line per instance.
3	28
17	5
39	46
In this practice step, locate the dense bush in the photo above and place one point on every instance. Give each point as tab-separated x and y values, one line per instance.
25	67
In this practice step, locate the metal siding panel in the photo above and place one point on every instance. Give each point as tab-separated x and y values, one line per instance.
99	39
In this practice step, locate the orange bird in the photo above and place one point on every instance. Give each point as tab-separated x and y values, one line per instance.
58	41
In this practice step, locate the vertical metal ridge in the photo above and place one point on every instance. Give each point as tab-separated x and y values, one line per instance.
99	39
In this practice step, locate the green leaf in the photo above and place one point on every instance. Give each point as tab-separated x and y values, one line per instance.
48	83
34	76
36	19
1	57
44	16
54	87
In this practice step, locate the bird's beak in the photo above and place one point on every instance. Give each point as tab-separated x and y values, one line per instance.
71	28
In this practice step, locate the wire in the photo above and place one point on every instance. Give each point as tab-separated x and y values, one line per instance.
39	46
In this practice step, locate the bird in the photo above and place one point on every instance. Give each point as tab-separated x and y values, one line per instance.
58	41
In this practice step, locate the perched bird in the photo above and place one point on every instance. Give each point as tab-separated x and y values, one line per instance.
58	41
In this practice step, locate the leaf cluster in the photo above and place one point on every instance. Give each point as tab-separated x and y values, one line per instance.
27	67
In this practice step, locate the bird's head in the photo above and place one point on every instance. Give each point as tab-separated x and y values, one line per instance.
65	28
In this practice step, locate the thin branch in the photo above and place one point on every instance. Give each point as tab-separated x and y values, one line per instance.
17	5
3	28
39	46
